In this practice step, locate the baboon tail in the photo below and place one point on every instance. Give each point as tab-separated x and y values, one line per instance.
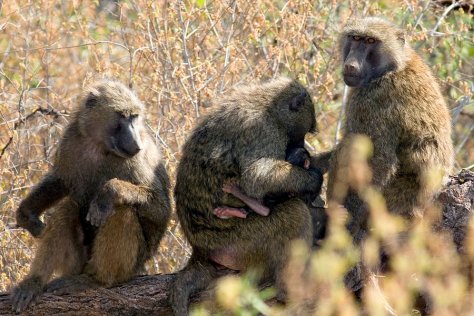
196	276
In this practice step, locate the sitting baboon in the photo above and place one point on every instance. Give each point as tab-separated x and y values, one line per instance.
231	207
245	139
114	192
394	100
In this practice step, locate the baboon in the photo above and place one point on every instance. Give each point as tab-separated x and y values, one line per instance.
394	100
298	156
113	190
245	139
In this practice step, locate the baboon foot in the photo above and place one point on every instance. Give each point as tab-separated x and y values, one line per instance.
26	293
228	212
70	284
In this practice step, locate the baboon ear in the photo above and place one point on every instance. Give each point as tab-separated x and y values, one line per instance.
92	99
298	101
401	36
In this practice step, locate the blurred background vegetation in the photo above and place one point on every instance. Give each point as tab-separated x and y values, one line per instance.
178	56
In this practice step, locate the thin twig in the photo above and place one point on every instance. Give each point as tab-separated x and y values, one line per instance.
227	49
341	114
20	121
378	291
187	62
445	13
458	108
465	139
46	48
418	19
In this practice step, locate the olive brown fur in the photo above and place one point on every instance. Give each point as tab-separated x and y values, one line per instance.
245	139
110	193
395	100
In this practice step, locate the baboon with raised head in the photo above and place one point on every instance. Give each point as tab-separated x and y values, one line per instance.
245	139
235	202
113	190
394	100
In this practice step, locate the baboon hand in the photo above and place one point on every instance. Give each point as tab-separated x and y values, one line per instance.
103	205
230	187
99	211
315	188
29	221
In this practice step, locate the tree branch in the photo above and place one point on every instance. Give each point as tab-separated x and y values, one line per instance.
148	295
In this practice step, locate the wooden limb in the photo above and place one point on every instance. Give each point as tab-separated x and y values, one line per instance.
148	295
144	295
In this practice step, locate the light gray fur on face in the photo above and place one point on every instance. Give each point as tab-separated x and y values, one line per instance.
393	38
117	96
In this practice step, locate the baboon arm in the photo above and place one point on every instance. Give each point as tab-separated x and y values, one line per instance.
322	161
44	195
115	193
269	175
125	193
151	202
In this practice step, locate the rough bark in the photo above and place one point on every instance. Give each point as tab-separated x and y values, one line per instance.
458	201
144	295
148	295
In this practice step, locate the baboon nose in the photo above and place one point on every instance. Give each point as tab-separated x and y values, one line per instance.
136	149
351	70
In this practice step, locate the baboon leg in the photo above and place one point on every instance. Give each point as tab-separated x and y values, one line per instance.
292	218
402	195
359	216
301	229
195	277
253	246
118	250
60	250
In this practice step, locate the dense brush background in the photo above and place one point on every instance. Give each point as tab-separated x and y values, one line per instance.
180	55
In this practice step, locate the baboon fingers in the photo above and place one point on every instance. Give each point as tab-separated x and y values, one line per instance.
307	164
99	213
22	298
69	284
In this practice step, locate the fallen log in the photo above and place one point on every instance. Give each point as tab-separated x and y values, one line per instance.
144	295
148	295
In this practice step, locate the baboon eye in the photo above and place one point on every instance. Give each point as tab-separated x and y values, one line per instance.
370	40
356	38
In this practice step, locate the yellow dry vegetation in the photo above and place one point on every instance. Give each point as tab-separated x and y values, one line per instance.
179	56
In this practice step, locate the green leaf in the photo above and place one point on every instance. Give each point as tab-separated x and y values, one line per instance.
201	3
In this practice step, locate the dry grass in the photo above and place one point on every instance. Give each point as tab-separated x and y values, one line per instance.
178	55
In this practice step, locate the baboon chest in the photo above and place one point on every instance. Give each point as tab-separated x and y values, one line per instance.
372	118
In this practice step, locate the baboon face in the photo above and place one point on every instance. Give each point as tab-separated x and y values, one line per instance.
124	138
113	118
370	50
297	112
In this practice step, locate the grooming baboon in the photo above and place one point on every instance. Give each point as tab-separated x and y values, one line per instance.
115	204
394	100
245	139
231	207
